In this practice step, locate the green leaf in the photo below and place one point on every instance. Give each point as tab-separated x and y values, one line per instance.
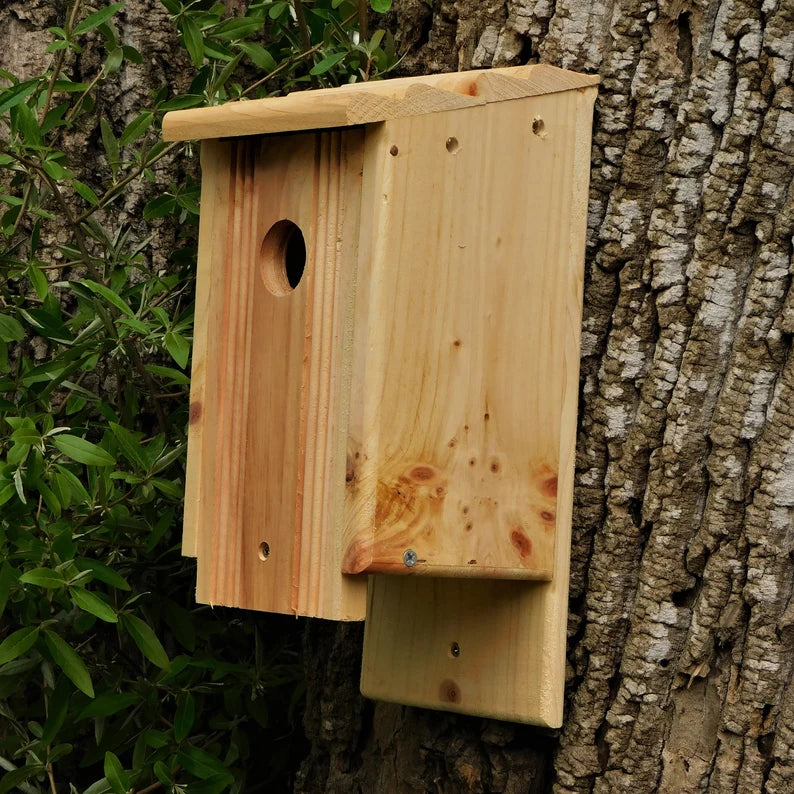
101	571
328	63
113	61
17	94
185	716
57	709
136	128
129	445
146	640
98	18
101	786
202	764
277	9
82	451
39	281
194	41
169	488
12	779
14	645
67	86
258	55
111	144
173	375
380	6
235	29
115	774
107	705
43	577
92	603
110	296
11	329
178	347
85	192
71	664
159	207
163	774
7	574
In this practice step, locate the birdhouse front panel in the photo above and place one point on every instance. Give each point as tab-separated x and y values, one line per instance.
279	229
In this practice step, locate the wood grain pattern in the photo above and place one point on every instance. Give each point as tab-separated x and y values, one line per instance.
509	635
364	103
215	175
275	393
460	393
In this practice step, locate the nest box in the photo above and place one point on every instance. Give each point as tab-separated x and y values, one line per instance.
385	372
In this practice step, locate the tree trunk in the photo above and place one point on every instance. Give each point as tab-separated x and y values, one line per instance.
680	636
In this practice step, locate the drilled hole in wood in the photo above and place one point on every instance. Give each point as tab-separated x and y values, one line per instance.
538	126
452	145
454	650
264	550
394	151
283	257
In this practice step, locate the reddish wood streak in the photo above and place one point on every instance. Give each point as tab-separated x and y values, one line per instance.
495	466
473	90
521	543
547	515
195	413
549	486
449	691
422	473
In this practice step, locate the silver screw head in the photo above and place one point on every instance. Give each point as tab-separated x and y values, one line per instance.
409	558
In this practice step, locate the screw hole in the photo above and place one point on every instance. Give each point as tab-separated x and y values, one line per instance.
283	257
538	126
452	145
264	550
454	650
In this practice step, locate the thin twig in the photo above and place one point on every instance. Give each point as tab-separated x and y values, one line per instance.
306	37
292	61
59	59
363	21
113	191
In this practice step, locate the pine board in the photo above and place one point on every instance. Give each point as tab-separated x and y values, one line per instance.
272	404
369	102
509	635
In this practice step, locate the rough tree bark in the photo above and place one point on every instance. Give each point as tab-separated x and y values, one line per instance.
681	633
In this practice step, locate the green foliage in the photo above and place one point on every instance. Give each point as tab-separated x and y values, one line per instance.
111	678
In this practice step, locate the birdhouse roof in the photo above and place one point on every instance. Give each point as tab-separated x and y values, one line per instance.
368	102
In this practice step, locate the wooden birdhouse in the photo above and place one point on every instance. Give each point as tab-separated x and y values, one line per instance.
385	372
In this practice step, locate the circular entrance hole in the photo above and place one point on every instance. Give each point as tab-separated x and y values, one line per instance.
283	257
264	550
452	145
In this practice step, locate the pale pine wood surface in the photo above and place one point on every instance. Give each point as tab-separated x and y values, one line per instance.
465	307
274	392
510	635
364	103
215	167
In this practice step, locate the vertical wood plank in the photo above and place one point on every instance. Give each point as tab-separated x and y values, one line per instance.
215	175
277	396
491	647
